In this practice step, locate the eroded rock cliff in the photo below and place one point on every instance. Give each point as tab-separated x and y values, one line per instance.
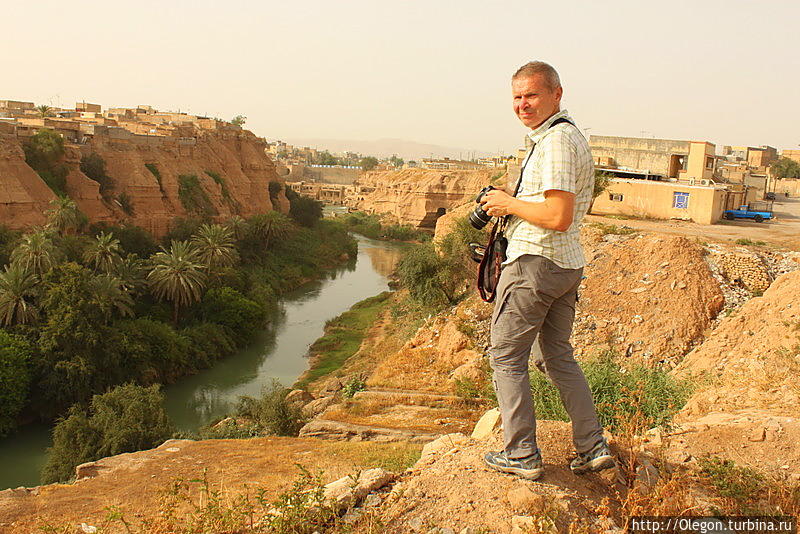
418	197
202	172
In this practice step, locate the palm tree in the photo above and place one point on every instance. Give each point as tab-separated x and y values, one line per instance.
214	245
44	111
103	252
16	289
109	295
131	273
237	226
63	215
270	226
35	253
177	275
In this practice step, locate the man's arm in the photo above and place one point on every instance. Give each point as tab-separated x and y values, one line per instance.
555	213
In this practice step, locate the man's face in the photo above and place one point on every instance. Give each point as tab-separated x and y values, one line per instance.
534	101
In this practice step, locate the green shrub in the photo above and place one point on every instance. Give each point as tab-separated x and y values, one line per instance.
353	386
749	243
741	484
193	197
153	168
182	229
227	307
8	239
44	152
274	190
647	396
208	343
132	239
128	418
153	350
125	202
305	211
94	167
16	356
607	229
271	413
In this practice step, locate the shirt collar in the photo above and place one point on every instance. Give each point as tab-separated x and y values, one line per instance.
537	134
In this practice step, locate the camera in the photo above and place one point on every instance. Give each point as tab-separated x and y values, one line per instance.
478	218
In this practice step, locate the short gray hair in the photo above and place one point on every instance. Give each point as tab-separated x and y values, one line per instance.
539	67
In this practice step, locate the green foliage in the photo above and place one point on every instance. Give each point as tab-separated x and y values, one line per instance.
125	202
16	356
369	225
271	413
94	166
353	386
104	252
128	418
395	161
343	337
132	239
601	182
44	111
274	190
305	211
748	243
35	253
650	396
229	308
43	152
326	158
239	120
226	194
214	244
153	351
302	509
607	229
208	342
8	238
153	168
177	275
193	197
741	484
17	289
368	163
786	168
64	215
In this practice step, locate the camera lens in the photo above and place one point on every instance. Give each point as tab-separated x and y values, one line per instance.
479	218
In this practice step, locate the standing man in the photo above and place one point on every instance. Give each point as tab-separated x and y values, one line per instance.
538	287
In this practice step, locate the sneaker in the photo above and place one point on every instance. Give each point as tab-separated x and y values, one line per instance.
529	468
597	459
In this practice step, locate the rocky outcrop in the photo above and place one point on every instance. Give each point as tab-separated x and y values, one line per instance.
418	197
24	197
227	173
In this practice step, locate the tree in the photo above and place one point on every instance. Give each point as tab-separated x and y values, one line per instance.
177	275
239	120
103	253
395	161
215	246
326	158
237	226
64	215
305	211
128	418
35	253
786	168
16	355
17	286
601	182
109	295
368	163
43	152
44	111
268	227
227	307
131	273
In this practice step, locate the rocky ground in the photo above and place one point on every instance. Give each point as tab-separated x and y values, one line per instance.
725	316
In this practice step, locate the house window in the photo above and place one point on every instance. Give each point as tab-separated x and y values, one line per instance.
680	200
709	163
615	197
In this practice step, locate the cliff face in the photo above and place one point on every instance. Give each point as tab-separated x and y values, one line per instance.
223	173
24	197
418	197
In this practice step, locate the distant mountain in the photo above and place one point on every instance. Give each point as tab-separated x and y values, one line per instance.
384	148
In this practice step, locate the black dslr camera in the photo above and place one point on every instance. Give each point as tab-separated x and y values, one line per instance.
479	218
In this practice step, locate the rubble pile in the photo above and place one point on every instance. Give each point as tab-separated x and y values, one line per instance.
746	269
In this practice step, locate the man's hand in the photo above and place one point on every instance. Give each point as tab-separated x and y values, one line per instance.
555	213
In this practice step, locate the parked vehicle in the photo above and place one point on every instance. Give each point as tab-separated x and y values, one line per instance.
770	195
758	211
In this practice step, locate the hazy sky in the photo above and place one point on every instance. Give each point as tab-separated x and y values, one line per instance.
429	71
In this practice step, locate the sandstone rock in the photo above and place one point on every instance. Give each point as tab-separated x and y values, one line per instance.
317	406
331	386
443	444
521	524
646	477
487	424
757	434
299	397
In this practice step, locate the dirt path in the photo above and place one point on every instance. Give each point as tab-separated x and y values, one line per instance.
783	232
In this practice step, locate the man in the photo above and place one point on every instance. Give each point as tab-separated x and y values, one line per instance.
538	287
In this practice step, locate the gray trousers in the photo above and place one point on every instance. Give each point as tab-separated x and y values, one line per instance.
536	297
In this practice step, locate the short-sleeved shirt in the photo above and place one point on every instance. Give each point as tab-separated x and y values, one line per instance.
561	160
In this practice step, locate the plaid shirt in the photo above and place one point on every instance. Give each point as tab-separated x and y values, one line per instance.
561	160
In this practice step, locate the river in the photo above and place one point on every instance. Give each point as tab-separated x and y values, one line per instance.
279	353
